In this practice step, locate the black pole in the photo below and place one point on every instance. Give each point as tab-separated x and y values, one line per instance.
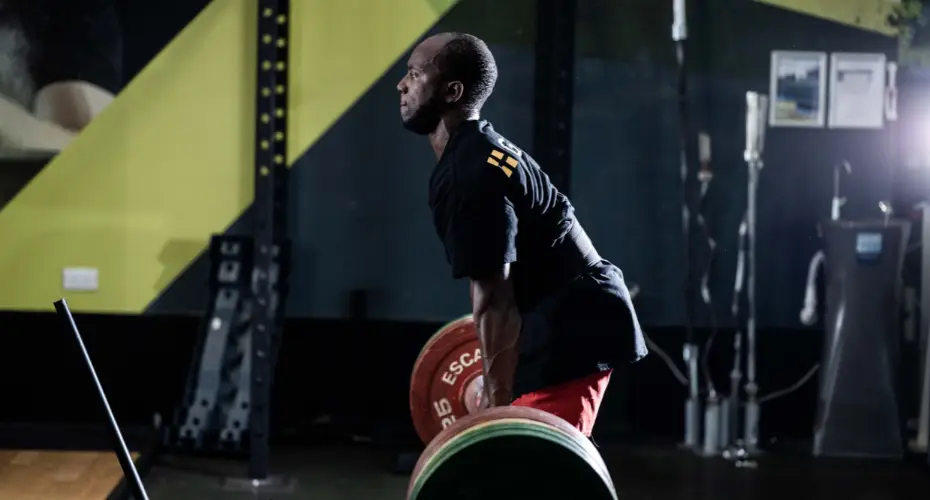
269	223
119	446
686	198
691	352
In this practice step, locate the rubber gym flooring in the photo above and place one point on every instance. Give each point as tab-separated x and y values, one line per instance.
334	472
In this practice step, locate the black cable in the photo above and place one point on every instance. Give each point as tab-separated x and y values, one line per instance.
740	278
738	282
705	176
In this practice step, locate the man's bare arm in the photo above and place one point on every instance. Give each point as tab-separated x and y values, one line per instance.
498	321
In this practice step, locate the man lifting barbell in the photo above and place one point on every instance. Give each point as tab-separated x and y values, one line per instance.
553	318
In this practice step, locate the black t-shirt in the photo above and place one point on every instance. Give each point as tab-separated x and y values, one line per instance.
71	40
492	205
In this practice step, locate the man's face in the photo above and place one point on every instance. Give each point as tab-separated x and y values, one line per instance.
421	98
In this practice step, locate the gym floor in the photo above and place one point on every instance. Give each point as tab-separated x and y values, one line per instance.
641	473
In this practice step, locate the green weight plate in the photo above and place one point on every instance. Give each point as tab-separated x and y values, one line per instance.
513	458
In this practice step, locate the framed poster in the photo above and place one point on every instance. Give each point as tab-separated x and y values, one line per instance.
857	90
798	84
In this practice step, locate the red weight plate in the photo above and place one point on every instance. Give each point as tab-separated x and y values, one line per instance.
445	381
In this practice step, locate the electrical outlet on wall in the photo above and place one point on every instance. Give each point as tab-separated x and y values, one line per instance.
82	279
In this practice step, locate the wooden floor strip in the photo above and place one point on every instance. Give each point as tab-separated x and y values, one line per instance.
58	475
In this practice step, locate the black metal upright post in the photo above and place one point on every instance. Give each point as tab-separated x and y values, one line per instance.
680	39
554	88
691	352
269	210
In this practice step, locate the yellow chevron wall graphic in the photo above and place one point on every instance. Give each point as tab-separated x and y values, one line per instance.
869	15
138	194
332	65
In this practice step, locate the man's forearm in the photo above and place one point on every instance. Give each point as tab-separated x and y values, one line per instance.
499	332
20	129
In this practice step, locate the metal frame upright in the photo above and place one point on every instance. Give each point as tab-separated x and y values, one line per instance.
227	403
269	218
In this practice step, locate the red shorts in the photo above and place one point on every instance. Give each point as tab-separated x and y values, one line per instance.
576	402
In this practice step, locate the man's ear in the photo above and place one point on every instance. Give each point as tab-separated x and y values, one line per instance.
454	92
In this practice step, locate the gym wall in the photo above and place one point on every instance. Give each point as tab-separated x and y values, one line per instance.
626	172
141	189
376	236
127	195
359	219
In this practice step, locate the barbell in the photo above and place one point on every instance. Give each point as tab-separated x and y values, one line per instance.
503	452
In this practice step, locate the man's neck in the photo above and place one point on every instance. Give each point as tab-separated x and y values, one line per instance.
439	138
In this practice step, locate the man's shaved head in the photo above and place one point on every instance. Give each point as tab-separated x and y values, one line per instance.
446	72
467	59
